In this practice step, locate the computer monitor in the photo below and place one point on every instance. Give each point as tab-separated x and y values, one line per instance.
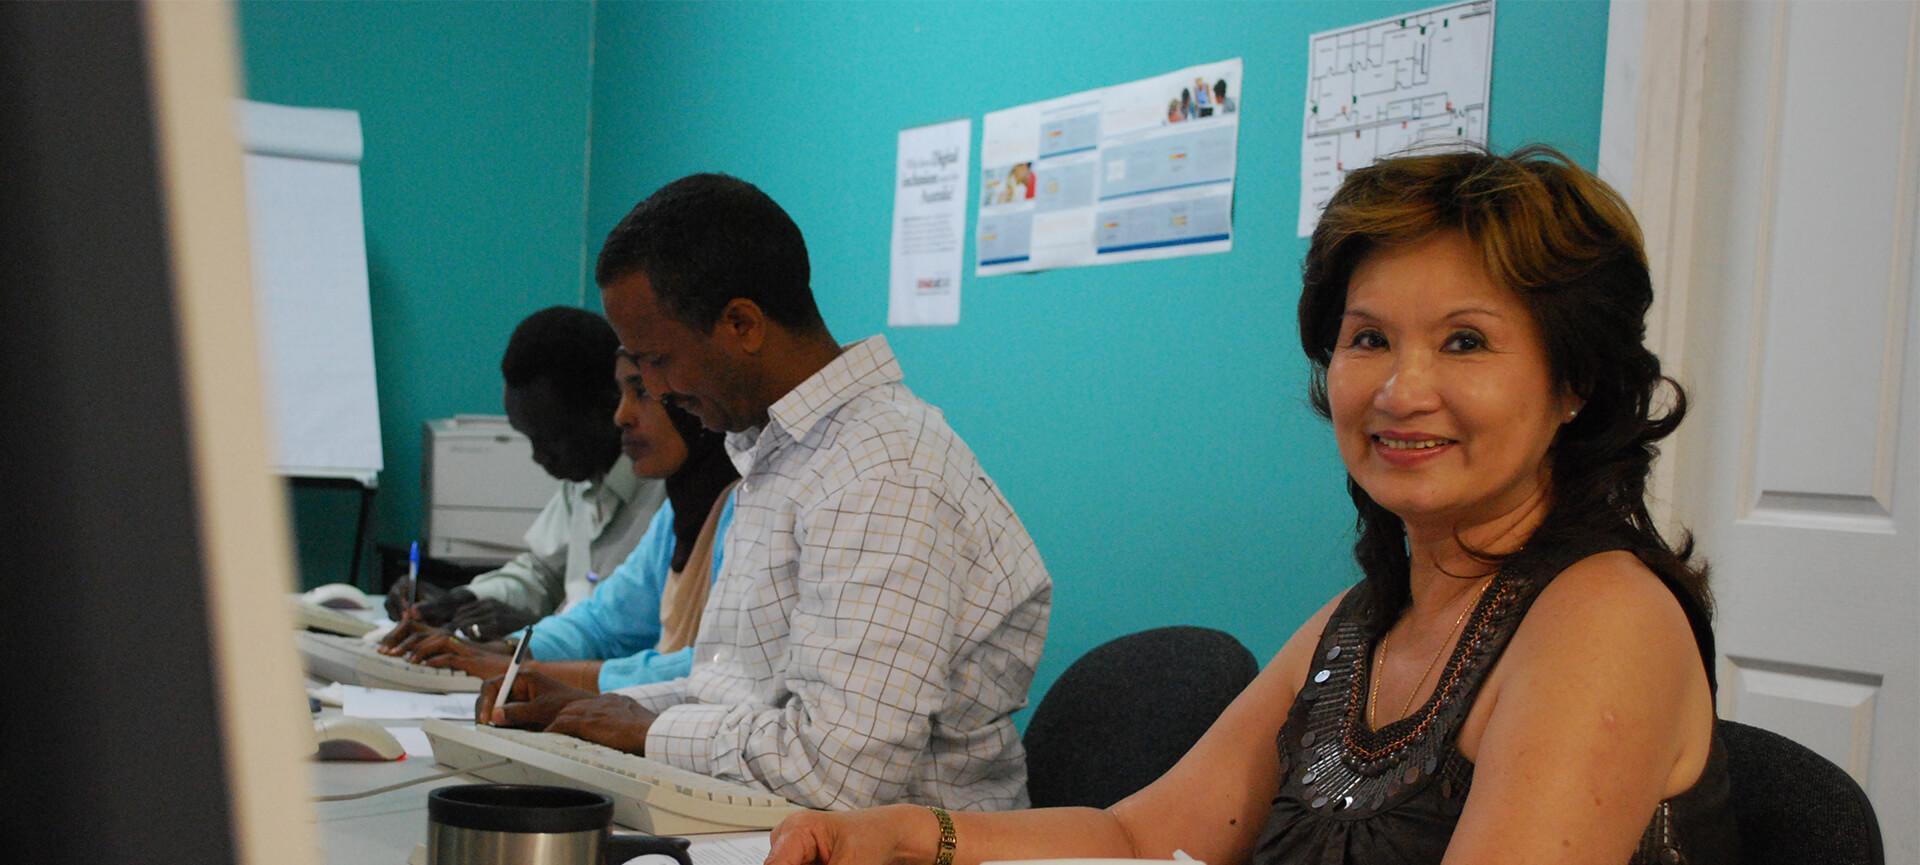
140	533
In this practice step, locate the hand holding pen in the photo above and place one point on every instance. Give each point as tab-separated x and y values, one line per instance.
522	697
413	581
513	670
404	596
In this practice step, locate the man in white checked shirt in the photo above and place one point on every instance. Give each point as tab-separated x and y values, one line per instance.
881	610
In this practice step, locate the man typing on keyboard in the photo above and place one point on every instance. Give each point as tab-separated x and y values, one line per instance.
881	609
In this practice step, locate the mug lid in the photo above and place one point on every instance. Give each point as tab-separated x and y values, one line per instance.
519	808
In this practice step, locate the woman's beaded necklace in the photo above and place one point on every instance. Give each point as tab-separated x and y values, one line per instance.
1380	661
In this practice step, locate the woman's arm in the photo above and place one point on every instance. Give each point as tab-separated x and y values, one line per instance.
622	616
1211	804
910	835
584	675
644	667
1599	709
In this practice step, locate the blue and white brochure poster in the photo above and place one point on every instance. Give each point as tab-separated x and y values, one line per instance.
1123	173
929	224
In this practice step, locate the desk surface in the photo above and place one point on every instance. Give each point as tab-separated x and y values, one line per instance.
381	829
384	829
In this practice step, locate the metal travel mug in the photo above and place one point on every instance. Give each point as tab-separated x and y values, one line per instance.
526	824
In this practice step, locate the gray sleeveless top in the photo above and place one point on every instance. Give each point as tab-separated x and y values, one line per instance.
1393	795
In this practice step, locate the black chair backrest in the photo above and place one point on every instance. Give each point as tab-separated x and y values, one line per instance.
1124	713
1793	806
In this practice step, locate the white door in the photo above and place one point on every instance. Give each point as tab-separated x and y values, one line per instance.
1797	467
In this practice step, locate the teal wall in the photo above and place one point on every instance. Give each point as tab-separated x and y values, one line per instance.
475	124
1148	421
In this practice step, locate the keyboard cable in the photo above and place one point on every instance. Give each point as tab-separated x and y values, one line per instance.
345	797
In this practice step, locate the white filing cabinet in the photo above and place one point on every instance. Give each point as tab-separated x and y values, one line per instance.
482	488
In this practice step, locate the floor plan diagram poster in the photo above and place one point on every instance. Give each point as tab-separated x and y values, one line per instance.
1123	173
1377	88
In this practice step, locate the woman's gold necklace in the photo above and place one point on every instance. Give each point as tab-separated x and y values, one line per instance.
1380	662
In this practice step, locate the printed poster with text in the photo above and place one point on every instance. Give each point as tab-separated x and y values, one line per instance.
929	224
1123	173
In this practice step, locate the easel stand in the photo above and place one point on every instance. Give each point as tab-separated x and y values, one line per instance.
367	486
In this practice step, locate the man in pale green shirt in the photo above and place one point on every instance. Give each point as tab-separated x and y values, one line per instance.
561	395
587	529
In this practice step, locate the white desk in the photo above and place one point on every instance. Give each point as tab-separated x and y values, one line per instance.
385	829
382	829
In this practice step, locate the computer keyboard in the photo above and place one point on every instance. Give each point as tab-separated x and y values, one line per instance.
648	795
353	661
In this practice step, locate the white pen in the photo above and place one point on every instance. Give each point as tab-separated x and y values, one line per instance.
513	670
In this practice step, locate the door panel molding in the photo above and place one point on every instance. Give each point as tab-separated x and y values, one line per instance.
1799	466
1828	710
1836	236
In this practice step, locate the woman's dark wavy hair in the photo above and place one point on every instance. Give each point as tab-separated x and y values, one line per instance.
1566	242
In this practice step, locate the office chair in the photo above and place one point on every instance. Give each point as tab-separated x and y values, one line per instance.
1126	711
1793	806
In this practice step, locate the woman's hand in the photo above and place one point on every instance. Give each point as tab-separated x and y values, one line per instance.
870	836
405	630
441	649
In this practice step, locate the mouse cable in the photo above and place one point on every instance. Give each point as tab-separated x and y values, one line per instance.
343	797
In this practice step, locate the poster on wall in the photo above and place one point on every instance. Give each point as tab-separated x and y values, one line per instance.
1124	173
1374	89
929	224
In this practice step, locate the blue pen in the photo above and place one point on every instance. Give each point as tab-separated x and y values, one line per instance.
413	575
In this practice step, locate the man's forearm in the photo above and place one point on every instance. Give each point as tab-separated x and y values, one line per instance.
518	584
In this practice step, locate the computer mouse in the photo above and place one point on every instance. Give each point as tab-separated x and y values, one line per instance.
653	859
354	739
339	596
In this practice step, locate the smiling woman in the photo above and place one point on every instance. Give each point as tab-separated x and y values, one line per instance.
1530	266
1524	674
1442	395
1474	325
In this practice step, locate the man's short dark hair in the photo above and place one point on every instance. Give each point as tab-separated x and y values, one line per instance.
706	239
571	347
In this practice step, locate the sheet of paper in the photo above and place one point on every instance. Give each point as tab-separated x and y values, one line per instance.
328	694
309	255
929	224
359	702
1124	173
751	850
1378	88
414	740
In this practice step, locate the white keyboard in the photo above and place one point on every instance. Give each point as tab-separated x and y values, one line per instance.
353	661
648	795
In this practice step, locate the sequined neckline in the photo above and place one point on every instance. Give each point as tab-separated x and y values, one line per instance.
1335	765
1371	744
1412	792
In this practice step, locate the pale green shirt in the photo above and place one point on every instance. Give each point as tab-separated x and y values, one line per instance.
587	527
